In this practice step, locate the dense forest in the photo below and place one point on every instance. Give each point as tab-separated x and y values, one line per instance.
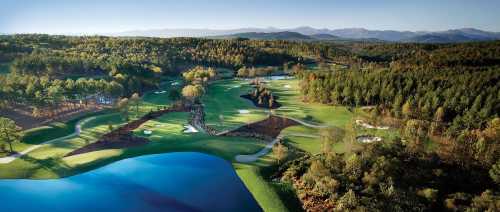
447	94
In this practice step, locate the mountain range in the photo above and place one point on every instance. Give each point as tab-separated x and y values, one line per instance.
310	33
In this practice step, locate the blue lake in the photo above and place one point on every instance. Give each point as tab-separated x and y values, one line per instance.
163	182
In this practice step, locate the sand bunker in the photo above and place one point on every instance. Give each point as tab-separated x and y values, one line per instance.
369	126
368	139
232	87
189	129
160	92
287	86
147	132
243	111
175	83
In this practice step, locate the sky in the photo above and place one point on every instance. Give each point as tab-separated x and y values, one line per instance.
107	16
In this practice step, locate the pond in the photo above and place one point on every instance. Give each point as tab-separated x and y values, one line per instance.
163	182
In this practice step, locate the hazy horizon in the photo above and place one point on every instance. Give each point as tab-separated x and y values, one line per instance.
96	17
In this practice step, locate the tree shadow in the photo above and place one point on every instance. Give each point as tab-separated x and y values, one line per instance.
55	165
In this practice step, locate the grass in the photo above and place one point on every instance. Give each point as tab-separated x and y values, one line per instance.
293	106
263	191
48	161
48	132
53	130
223	98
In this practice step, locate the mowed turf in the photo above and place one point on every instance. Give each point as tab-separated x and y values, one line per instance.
262	190
223	98
292	105
48	161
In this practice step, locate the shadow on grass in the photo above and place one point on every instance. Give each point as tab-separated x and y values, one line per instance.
55	165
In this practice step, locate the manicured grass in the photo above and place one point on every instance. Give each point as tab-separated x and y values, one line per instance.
293	106
48	161
262	190
223	98
53	130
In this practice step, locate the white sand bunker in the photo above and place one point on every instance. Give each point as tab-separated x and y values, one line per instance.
147	132
232	87
175	83
243	111
368	139
369	126
189	129
160	92
287	86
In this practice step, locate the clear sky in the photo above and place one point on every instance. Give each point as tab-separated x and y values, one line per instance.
100	16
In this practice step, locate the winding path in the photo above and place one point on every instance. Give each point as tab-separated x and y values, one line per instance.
303	122
78	130
254	157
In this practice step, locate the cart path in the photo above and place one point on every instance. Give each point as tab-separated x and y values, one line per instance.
78	130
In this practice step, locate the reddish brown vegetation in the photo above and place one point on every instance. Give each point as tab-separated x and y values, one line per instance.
267	129
123	137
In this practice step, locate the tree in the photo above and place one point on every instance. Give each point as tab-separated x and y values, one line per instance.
174	94
9	132
122	106
407	110
439	115
135	99
415	131
348	202
353	167
281	152
328	137
495	172
192	92
242	72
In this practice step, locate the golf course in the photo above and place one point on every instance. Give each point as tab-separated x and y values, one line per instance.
224	110
248	106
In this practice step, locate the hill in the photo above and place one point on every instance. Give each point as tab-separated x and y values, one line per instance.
310	33
286	35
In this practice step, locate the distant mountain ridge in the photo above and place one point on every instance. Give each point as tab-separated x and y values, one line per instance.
448	36
285	35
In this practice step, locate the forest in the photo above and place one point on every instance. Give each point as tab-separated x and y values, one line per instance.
443	99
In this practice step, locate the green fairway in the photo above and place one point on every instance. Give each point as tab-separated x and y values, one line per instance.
223	98
293	106
48	161
54	130
262	190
